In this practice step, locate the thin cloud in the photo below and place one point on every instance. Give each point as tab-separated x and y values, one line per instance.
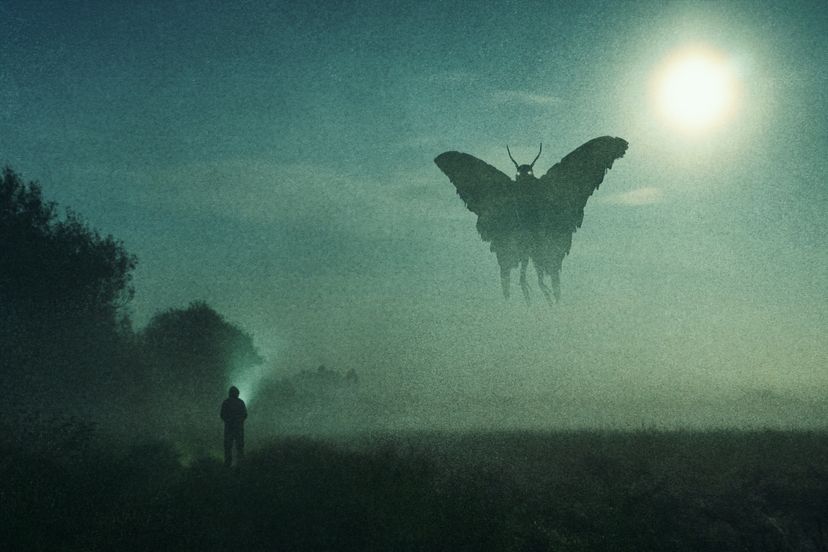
452	77
264	192
528	98
639	196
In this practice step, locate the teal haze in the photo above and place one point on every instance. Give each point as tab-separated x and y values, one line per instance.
275	159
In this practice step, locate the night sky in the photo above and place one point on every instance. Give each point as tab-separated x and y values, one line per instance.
275	159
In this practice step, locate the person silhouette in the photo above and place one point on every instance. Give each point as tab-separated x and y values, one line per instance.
233	413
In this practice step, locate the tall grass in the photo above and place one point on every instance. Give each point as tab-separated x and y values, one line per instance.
569	491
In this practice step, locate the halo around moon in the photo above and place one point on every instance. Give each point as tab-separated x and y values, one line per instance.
695	90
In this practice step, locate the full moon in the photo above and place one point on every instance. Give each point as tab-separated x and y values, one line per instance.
695	90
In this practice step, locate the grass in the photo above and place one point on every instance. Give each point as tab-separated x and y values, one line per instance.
562	491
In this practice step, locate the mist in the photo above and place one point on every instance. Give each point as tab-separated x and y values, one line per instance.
198	196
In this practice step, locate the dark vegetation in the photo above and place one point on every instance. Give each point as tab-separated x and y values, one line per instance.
95	413
577	491
324	400
62	287
69	348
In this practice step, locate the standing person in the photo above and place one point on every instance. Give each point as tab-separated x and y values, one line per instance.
234	413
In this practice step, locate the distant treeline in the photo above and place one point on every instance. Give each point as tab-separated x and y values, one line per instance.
307	386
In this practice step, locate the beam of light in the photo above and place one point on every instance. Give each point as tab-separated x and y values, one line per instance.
696	89
248	380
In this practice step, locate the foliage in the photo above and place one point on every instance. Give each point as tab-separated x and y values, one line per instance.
188	356
192	350
66	339
56	266
62	289
577	491
317	401
308	386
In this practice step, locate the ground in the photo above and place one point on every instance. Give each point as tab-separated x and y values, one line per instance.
570	491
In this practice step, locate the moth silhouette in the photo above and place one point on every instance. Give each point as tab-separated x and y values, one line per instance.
528	217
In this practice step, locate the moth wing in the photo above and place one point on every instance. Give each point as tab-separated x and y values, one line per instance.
562	195
485	190
567	185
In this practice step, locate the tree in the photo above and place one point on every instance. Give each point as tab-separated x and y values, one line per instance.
193	350
189	354
57	266
62	291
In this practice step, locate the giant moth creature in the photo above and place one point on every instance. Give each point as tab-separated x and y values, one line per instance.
531	218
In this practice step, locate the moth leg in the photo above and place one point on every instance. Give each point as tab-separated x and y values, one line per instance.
523	284
543	287
505	273
556	284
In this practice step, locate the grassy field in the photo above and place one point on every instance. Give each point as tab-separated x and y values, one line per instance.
567	491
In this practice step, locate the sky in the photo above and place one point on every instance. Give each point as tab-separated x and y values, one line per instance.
275	159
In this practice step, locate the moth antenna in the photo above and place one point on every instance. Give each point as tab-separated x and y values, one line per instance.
510	156
536	158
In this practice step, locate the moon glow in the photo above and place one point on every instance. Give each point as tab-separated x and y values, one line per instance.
695	91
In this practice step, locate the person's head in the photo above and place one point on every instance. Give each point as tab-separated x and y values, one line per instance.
234	392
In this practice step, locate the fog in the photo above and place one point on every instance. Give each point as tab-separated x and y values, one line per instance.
277	163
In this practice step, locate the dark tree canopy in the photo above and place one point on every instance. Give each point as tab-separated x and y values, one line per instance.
62	289
66	345
194	349
56	266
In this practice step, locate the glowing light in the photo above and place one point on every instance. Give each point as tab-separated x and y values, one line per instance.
696	90
248	380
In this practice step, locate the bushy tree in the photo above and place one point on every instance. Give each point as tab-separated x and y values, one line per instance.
189	354
194	349
57	266
62	289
